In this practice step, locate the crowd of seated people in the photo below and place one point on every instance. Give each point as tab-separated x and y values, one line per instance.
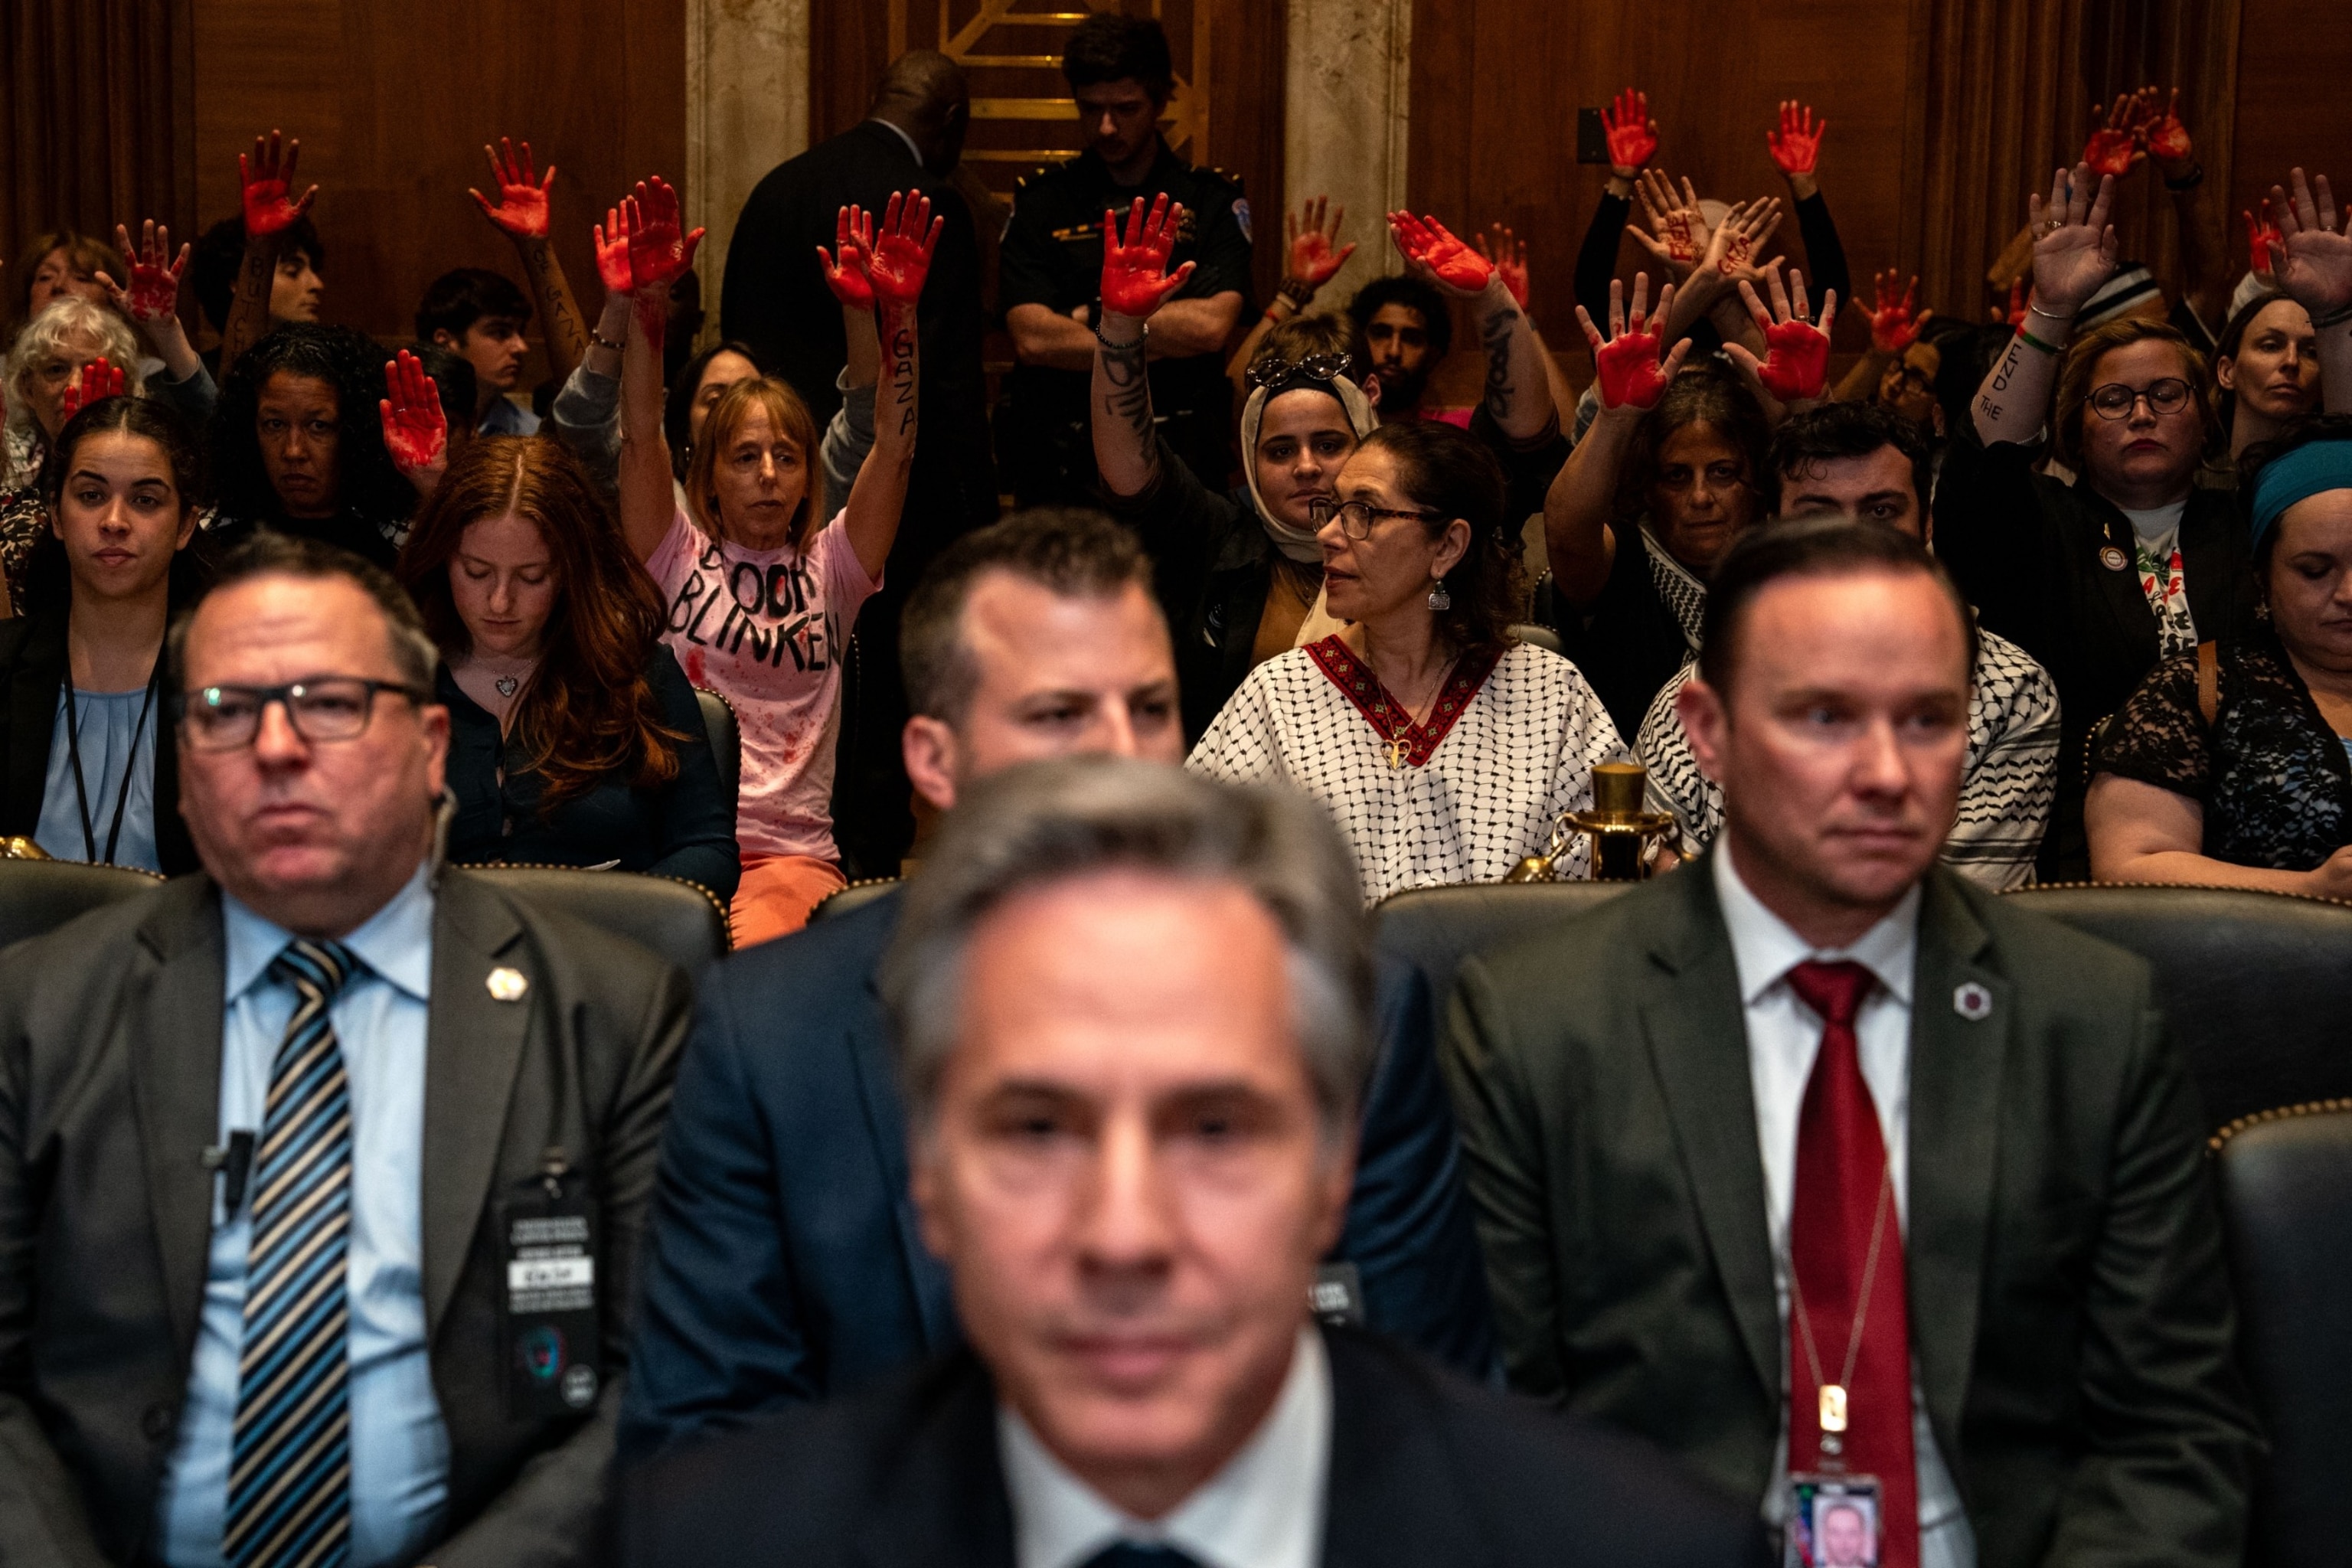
354	1209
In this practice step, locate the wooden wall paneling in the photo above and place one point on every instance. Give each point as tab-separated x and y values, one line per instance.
393	105
2292	108
1496	85
97	116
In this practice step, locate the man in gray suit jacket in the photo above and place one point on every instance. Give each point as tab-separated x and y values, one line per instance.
1834	1175
321	1176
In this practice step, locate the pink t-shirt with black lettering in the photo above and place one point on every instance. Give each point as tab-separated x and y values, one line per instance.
766	630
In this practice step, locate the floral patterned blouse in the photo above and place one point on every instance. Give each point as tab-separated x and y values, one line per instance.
2275	779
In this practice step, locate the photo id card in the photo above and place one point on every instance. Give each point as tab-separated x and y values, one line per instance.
553	1349
1832	1521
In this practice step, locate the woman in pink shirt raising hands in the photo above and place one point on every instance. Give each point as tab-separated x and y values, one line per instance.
762	582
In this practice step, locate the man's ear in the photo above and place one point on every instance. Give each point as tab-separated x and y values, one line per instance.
447	339
1701	708
929	746
1372	387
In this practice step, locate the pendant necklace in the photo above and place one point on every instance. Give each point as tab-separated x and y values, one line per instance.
1834	1415
508	685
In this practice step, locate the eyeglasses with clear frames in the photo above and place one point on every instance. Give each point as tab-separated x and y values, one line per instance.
1356	517
323	708
2117	401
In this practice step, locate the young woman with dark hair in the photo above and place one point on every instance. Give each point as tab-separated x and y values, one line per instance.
83	771
1444	748
762	582
2266	370
574	739
297	446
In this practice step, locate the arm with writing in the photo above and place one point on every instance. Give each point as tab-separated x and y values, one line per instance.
1136	284
264	183
521	214
895	265
1580	544
1518	387
2073	253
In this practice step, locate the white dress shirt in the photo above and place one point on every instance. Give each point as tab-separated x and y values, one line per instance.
1783	1037
1263	1510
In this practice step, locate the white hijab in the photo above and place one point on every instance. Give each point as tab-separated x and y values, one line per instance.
1297	543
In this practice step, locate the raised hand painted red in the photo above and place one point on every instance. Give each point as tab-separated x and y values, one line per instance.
521	209
265	180
1797	146
1135	276
415	432
1633	134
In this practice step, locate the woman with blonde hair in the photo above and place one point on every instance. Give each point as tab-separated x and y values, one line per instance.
760	582
574	738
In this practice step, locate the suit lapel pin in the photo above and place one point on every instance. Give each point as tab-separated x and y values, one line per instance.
2113	559
507	984
1972	1002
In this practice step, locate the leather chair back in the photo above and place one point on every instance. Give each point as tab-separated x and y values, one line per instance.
1434	929
726	739
2286	1207
676	918
2257	988
855	896
38	896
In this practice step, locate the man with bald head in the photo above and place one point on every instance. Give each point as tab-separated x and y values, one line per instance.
321	1173
776	302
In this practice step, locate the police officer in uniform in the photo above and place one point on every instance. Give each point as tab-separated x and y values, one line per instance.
1051	271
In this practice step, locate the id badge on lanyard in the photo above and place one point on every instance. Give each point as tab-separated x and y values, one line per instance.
1832	1521
553	1348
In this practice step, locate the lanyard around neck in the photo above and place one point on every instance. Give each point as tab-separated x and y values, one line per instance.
130	764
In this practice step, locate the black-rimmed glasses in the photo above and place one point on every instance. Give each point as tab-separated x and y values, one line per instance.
2117	401
1356	517
323	708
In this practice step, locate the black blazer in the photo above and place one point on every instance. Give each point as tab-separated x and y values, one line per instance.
110	1081
32	673
1426	1468
2027	550
786	1264
683	828
2070	1311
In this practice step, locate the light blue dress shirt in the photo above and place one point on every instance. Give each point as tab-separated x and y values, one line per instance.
505	417
108	753
400	1449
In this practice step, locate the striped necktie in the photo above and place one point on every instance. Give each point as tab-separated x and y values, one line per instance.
290	1471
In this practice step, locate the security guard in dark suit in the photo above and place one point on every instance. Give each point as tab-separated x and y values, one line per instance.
1050	272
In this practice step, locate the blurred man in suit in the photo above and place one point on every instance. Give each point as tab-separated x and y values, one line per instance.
786	1264
775	300
1812	1159
275	1140
1131	1010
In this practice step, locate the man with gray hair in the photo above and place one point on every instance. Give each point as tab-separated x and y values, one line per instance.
277	1142
1132	1014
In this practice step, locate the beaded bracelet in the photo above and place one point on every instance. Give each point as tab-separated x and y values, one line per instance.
2053	350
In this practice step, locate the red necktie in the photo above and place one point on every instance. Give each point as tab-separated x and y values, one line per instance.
1844	1195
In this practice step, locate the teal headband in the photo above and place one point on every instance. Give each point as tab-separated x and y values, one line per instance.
2311	468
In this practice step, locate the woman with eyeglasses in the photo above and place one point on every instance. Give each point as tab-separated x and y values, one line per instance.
2136	561
1241	574
2231	764
1444	748
82	774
